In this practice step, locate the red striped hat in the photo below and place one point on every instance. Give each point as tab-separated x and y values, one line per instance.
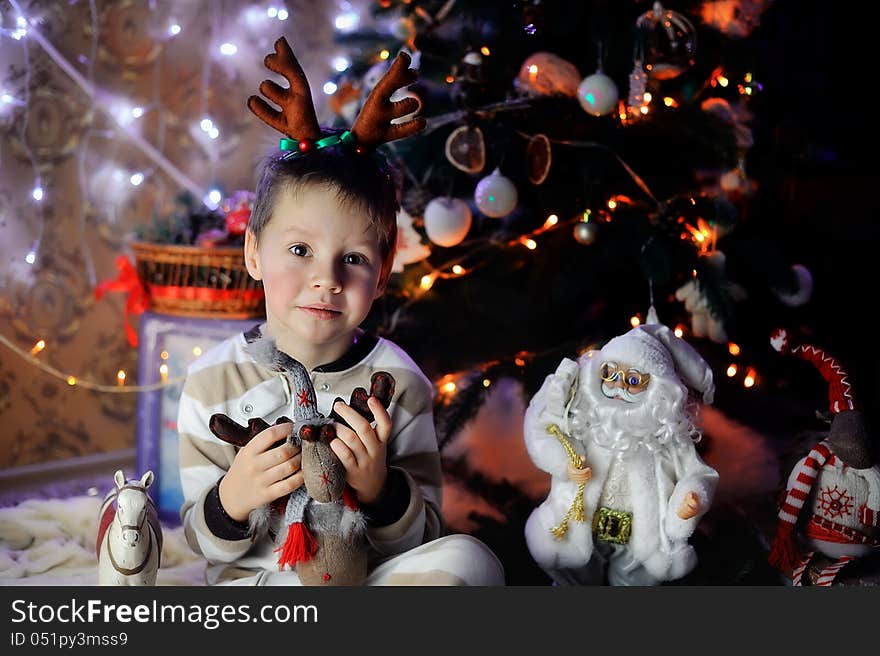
839	389
783	553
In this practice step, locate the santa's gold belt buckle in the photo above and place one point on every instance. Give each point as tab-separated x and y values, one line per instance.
613	525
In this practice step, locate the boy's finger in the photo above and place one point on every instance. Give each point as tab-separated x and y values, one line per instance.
264	440
276	455
286	485
383	419
353	418
353	441
364	430
343	452
283	470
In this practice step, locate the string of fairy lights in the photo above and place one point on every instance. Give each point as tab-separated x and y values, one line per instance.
125	117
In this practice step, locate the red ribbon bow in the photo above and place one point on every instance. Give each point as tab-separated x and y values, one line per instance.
127	281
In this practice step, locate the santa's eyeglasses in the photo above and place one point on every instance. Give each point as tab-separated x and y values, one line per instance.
632	380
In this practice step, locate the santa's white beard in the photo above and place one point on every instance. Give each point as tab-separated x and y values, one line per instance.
659	418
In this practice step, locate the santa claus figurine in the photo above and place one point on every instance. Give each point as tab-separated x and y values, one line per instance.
831	510
616	432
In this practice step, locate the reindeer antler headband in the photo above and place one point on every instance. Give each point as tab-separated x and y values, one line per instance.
297	119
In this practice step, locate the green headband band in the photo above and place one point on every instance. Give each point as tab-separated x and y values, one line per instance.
304	146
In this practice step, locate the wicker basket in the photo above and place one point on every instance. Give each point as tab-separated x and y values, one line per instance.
192	281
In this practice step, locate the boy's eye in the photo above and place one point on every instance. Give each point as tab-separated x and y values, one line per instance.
300	250
355	258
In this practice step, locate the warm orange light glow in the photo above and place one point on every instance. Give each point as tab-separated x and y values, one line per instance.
648	97
164	355
551	221
723	81
449	79
448	388
750	379
748	77
531	244
670	102
643	109
486	382
427	281
679	331
519	362
485	51
612	204
733	349
120	378
731	371
457	269
384	54
39	346
533	69
71	380
635	321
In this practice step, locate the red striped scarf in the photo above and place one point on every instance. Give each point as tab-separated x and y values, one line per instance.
783	553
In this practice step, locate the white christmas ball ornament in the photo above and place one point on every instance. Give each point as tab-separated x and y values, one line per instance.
447	221
598	94
495	195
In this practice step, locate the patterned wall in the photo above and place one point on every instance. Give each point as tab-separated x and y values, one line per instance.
68	86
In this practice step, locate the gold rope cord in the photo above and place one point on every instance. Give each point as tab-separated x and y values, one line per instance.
576	511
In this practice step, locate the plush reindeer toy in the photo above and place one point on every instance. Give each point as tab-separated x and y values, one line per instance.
320	527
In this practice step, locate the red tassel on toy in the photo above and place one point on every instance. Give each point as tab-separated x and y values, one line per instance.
299	546
349	498
783	554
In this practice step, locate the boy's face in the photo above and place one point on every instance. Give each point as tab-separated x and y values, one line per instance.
319	261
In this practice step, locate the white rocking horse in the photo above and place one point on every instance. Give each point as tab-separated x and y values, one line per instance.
129	542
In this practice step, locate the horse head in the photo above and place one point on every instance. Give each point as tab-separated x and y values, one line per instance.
131	506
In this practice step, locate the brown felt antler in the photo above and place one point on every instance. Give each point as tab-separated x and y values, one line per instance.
373	125
297	117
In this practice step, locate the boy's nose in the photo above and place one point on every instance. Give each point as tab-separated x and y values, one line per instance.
327	279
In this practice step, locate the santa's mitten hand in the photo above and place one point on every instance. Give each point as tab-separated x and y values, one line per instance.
689	507
558	389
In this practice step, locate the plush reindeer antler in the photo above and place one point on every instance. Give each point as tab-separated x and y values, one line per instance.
373	125
297	117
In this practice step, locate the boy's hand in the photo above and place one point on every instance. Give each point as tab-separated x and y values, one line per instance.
362	450
260	474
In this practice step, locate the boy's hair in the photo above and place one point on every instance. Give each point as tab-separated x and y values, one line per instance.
365	181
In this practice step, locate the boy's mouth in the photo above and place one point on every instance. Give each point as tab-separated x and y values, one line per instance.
325	312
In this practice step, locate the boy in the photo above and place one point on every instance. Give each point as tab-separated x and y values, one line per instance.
321	239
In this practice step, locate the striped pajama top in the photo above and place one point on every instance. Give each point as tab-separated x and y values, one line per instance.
226	379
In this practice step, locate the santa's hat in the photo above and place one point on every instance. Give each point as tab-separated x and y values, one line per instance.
847	440
654	349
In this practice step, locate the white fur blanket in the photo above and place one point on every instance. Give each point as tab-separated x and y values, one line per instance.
52	542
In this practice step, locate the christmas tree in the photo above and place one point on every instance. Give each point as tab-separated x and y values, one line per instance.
582	162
